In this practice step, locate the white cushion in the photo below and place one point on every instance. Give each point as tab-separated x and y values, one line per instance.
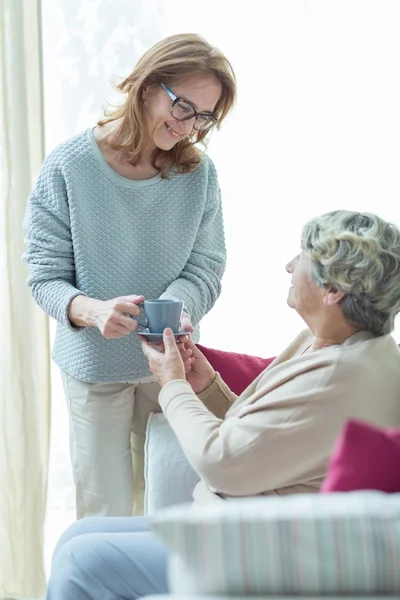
169	478
306	544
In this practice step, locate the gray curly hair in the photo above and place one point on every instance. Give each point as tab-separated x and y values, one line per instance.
358	254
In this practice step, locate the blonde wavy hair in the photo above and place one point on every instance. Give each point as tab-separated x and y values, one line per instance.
177	56
358	254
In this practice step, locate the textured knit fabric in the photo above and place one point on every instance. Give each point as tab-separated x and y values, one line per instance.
322	545
90	231
277	437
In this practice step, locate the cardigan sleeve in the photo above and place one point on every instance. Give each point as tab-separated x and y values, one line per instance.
272	440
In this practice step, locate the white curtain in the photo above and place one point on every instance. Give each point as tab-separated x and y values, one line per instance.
24	346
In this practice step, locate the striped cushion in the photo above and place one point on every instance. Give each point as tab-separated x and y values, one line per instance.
269	597
306	544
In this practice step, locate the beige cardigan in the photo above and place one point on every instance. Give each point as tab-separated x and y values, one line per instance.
276	438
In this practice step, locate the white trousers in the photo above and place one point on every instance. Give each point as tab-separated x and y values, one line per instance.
107	435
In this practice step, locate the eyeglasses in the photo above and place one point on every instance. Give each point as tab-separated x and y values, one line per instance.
183	111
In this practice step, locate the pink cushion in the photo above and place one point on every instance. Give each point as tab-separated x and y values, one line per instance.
237	370
365	457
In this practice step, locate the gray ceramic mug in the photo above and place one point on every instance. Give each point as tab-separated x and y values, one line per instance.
163	313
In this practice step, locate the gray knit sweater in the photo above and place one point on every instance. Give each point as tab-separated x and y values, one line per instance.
90	231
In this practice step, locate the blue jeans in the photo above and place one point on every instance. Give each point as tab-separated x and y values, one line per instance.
108	558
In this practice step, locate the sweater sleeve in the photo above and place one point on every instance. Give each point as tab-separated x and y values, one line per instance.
271	442
199	284
218	398
49	253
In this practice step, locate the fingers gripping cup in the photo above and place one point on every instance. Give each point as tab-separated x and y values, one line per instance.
163	313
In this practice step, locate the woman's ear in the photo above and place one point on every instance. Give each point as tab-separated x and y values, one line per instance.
333	296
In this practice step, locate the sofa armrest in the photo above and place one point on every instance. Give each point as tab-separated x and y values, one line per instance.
317	544
213	597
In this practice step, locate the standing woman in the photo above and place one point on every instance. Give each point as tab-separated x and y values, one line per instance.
128	209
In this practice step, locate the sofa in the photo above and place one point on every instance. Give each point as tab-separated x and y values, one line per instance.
336	545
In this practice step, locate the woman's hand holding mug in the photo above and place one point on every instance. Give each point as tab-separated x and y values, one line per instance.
114	318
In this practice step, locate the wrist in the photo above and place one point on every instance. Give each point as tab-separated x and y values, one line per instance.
81	311
207	384
163	381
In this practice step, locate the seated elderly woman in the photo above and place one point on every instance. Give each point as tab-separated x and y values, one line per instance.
276	437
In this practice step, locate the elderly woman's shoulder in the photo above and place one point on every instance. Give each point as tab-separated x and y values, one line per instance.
367	356
367	374
365	341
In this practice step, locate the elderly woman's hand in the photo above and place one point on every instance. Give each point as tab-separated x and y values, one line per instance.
168	361
200	374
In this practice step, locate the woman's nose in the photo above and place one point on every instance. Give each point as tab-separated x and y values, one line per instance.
290	264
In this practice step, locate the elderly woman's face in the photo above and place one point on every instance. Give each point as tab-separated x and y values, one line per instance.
304	295
202	92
